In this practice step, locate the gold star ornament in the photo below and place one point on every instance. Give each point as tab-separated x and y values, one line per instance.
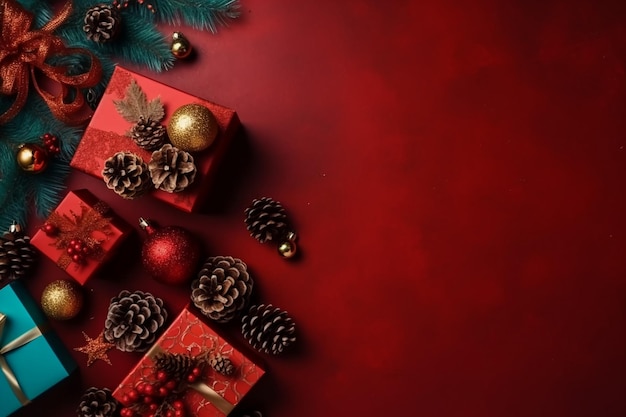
96	349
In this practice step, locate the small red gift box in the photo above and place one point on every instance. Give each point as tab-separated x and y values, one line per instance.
212	394
106	135
82	234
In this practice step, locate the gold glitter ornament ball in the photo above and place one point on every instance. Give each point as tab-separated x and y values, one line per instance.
62	299
192	128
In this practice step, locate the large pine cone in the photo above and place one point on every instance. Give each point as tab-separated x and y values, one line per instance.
266	220
133	320
97	403
17	256
175	365
127	175
102	23
172	169
148	134
223	288
268	329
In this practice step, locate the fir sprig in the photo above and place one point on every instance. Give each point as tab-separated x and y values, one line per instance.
199	14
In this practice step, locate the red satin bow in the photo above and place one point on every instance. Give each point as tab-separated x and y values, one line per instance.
23	51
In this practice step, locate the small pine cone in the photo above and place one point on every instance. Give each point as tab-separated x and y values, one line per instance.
17	256
127	175
148	134
268	329
171	169
133	320
97	403
102	23
266	220
222	365
222	289
175	365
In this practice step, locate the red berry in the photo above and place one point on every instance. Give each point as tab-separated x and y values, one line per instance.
133	395
179	413
149	389
196	371
153	407
126	412
140	387
148	399
73	242
171	384
191	378
77	258
49	229
70	250
125	400
161	376
178	404
78	246
163	392
170	413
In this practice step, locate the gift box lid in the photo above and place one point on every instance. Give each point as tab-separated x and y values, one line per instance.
37	365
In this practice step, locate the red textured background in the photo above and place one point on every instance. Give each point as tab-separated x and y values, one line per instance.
455	171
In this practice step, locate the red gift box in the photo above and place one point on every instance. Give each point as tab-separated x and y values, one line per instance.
213	394
81	217
106	135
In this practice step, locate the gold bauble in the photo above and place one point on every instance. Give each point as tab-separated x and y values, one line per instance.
32	158
180	47
192	128
62	300
287	249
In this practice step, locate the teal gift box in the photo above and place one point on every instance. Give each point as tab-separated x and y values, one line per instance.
32	357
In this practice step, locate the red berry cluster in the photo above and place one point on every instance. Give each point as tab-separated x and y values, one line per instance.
159	398
51	143
78	251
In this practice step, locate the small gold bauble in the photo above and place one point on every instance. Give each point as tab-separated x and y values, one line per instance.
180	47
32	158
287	249
192	128
62	300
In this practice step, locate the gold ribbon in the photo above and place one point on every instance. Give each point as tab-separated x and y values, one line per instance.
16	343
203	389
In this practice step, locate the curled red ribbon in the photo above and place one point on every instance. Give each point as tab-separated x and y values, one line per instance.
23	51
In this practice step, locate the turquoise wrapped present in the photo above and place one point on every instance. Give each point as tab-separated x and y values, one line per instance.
32	357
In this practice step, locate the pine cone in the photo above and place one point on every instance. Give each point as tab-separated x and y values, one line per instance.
175	365
266	220
97	403
127	175
102	23
268	329
172	170
17	256
222	365
222	289
148	134
133	320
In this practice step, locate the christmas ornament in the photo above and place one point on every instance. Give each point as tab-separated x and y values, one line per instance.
266	220
127	175
268	329
32	158
17	256
172	170
51	144
222	289
134	320
97	402
180	46
102	23
96	348
62	300
192	128
147	131
170	254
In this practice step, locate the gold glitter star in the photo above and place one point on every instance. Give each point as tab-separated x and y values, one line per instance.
96	348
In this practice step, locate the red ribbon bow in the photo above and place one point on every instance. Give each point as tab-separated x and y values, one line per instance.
22	51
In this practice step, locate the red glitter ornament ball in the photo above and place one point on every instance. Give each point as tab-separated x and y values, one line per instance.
170	254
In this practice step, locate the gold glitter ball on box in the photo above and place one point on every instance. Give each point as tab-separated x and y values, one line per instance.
192	128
